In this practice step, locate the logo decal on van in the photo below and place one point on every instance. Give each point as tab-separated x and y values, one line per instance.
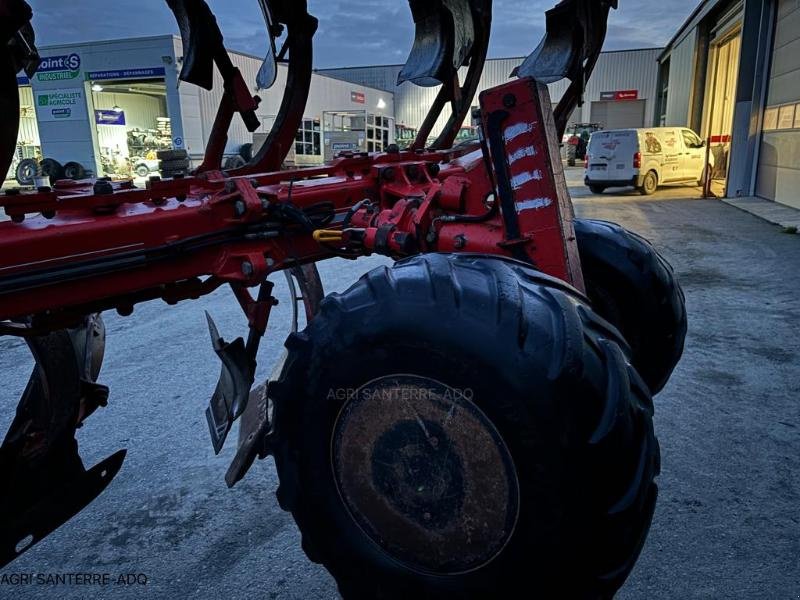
651	143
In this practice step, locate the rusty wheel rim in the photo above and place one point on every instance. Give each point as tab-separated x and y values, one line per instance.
425	474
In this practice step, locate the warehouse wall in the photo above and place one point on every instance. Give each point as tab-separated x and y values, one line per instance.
28	129
199	107
140	112
632	69
779	159
682	74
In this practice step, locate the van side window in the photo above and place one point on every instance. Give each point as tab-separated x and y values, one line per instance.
691	140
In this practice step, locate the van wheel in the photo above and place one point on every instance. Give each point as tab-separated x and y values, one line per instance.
597	189
649	184
705	174
462	426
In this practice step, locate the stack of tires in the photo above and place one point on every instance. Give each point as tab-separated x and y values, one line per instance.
28	169
173	162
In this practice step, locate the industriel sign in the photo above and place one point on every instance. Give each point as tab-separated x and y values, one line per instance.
57	68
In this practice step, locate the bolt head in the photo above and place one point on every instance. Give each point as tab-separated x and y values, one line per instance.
247	268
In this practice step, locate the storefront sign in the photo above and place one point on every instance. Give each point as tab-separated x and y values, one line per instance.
335	146
620	95
109	117
57	68
60	105
146	73
358	97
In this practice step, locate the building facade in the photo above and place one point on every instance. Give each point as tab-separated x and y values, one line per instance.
620	93
732	73
111	105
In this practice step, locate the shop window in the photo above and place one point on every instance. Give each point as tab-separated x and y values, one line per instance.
782	117
377	132
307	140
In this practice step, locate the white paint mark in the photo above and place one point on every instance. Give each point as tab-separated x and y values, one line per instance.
521	153
513	131
533	204
517	181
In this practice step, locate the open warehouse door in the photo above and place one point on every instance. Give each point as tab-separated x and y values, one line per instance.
132	123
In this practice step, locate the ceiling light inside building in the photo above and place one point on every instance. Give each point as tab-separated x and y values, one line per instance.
96	87
116	108
381	103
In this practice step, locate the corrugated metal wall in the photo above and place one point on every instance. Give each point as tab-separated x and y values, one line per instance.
326	94
779	159
681	81
28	129
140	110
626	70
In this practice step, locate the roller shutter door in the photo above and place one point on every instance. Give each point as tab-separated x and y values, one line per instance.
619	115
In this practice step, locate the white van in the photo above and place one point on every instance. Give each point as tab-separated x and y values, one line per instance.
644	158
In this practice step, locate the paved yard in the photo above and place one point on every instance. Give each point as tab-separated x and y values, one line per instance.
728	518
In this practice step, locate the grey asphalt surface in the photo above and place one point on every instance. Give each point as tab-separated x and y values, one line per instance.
727	524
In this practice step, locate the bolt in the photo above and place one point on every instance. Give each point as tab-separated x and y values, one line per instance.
433	169
103	187
388	174
239	208
459	241
247	268
509	100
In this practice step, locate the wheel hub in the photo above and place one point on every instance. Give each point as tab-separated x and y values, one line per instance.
425	474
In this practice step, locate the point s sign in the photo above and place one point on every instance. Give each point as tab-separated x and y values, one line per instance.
57	68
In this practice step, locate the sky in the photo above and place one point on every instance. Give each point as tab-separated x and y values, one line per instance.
351	32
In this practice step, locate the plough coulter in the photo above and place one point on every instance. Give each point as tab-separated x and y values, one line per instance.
474	419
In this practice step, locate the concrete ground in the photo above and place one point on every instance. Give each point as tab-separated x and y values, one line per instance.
727	524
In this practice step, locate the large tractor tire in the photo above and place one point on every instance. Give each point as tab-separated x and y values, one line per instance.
52	169
74	170
26	170
572	152
633	287
461	426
